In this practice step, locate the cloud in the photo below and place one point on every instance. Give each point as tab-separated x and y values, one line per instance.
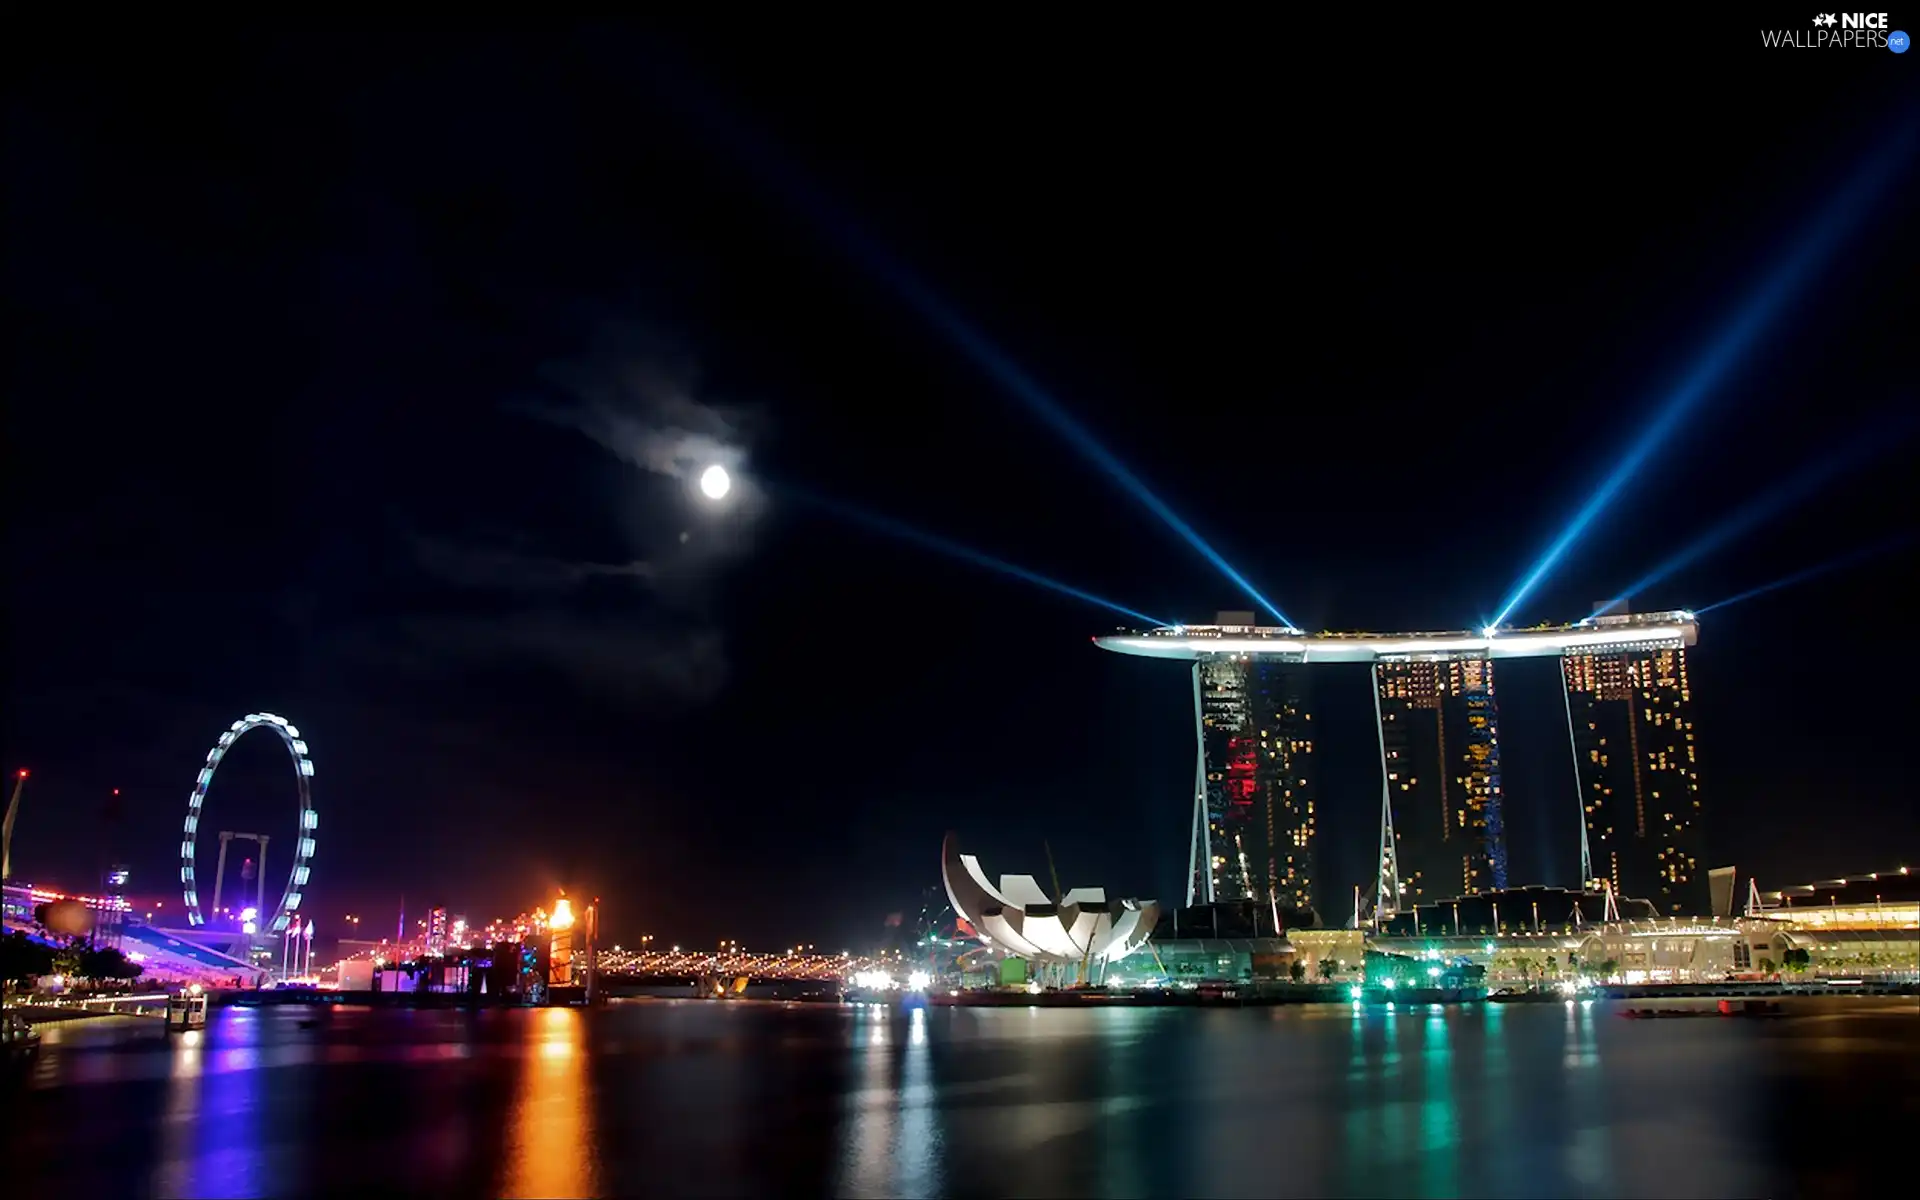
525	606
637	398
638	661
521	612
491	569
633	661
674	437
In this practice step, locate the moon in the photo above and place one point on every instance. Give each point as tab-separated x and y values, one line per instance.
715	483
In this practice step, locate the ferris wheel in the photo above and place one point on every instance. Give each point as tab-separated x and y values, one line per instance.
309	819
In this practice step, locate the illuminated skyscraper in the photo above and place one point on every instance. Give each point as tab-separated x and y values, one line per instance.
1630	717
1440	743
1254	822
1440	752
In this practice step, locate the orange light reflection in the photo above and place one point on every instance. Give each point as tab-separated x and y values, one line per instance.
550	1129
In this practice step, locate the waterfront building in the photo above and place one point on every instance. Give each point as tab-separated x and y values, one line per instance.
1243	672
1861	927
1440	754
1866	925
1192	962
1079	927
1630	719
1232	919
1254	822
1512	910
1329	954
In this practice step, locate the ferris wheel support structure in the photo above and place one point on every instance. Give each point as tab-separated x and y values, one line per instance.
309	820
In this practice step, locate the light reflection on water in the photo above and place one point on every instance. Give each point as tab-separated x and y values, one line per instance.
890	1137
550	1124
1589	1152
174	1175
745	1098
1439	1131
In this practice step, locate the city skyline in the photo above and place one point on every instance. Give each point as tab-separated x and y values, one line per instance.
403	444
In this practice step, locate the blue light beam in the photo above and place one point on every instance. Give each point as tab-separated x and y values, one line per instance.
1832	564
790	183
940	545
1775	501
1728	350
1010	376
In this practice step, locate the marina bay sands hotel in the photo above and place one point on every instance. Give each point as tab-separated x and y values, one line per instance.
1629	713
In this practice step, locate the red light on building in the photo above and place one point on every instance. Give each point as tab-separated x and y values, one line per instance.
1242	771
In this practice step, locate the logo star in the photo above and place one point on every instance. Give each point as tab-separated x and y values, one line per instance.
1824	19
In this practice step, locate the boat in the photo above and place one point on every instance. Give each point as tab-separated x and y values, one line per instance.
1522	996
19	1035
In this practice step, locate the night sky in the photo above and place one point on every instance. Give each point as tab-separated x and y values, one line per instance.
347	375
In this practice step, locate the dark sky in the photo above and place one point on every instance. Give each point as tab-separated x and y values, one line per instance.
320	346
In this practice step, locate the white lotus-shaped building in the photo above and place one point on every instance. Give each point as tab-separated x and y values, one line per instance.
1019	918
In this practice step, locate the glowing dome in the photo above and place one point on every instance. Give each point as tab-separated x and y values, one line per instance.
1020	919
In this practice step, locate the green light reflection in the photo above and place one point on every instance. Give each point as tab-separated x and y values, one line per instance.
1439	1123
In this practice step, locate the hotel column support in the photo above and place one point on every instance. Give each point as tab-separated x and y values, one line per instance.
1579	790
1387	888
1200	850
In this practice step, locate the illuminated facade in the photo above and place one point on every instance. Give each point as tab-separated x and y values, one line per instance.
1440	756
1630	719
1254	821
1019	918
1243	672
1862	925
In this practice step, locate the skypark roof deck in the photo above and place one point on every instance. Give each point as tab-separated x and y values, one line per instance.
1188	642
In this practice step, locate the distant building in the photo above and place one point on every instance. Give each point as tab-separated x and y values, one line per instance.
1256	730
1233	919
1440	747
437	928
1881	899
1630	717
1867	925
1510	911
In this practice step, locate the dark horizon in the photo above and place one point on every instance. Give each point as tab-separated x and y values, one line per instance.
351	374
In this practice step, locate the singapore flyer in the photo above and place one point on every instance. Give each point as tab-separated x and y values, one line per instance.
309	819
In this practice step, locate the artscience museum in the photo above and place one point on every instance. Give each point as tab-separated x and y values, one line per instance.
1019	919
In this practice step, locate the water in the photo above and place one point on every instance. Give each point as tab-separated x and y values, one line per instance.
706	1098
